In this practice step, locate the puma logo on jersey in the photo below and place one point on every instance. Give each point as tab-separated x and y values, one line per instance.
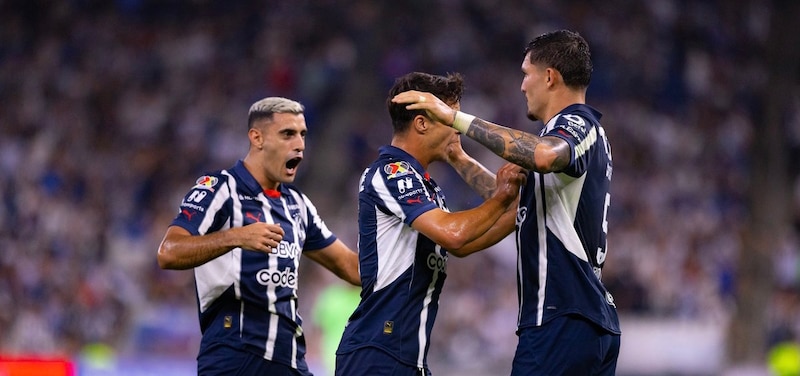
254	217
417	200
188	214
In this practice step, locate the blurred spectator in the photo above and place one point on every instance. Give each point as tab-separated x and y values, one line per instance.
99	96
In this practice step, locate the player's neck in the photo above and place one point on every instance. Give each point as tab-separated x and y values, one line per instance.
562	100
255	169
413	147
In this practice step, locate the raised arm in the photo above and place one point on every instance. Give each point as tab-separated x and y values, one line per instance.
478	177
541	154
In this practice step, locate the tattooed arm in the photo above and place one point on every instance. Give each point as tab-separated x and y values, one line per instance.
541	154
478	177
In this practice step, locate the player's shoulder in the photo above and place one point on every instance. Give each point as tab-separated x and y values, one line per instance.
211	180
579	114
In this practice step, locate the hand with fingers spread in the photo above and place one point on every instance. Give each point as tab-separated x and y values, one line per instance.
435	107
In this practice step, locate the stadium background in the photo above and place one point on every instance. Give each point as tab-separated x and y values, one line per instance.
111	109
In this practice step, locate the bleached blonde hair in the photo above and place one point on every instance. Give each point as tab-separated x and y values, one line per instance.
265	108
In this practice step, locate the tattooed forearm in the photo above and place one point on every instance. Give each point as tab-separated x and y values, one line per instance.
520	148
478	178
514	146
483	132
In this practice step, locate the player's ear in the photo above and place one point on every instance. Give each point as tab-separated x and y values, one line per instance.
421	124
552	76
256	138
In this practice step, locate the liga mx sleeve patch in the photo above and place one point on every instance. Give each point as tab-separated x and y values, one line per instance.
206	182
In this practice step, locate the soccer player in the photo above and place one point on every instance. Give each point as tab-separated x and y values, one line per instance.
568	323
243	231
406	233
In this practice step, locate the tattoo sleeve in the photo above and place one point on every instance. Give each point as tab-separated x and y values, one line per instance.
477	177
519	147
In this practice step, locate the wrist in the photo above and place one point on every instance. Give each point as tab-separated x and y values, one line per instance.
462	121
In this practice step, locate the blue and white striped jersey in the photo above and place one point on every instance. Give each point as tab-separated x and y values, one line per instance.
402	271
561	228
248	299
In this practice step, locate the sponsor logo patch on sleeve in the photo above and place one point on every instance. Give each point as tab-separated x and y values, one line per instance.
396	169
206	182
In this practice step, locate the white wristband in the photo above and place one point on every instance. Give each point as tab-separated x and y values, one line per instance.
462	121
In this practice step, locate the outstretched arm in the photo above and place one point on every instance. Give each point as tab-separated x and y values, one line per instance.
541	154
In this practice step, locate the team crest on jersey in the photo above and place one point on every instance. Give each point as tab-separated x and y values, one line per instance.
397	169
206	182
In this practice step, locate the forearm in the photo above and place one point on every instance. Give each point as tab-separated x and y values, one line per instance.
184	251
339	259
478	177
346	268
524	149
349	274
504	226
468	225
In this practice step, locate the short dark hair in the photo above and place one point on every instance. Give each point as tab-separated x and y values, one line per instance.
267	107
448	88
565	51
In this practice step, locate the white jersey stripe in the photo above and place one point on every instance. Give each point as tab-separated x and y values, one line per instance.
542	235
422	334
591	138
562	205
215	276
394	235
272	262
296	226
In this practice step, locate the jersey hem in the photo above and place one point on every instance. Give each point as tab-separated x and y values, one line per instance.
596	322
385	350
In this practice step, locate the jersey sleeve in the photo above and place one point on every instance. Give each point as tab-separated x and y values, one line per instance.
403	191
203	209
580	135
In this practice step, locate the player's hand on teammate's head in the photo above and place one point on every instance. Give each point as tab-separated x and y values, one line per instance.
435	107
509	178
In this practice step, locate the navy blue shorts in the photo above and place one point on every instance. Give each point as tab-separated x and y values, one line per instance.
225	360
567	345
370	361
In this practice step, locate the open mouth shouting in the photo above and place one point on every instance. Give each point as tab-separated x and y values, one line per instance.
291	165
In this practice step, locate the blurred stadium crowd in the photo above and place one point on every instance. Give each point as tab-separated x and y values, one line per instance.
110	110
